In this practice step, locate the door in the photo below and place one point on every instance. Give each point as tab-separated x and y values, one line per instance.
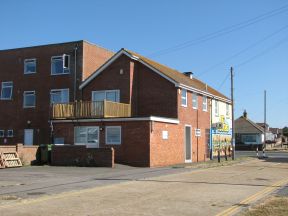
28	137
92	137
188	144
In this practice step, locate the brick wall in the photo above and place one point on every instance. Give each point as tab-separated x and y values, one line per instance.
169	151
93	57
196	118
14	116
71	155
27	154
148	93
135	139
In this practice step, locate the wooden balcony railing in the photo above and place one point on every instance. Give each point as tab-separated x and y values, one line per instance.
90	109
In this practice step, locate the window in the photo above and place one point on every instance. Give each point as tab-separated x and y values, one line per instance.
59	140
29	66
184	97
10	133
1	133
194	101
87	135
197	132
216	108
113	135
60	65
227	110
6	90
109	95
29	99
204	104
59	96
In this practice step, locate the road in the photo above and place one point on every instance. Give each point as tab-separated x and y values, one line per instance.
221	190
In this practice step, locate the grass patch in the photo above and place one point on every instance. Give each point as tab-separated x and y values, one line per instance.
276	206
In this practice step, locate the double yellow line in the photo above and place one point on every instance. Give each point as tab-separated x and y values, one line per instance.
269	189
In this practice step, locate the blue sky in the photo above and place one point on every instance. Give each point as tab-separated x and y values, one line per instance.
148	27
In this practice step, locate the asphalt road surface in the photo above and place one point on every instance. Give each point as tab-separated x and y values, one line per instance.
224	190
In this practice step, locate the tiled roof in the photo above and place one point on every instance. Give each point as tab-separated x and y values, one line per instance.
178	76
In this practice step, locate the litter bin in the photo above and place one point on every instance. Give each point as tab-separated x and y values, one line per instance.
45	152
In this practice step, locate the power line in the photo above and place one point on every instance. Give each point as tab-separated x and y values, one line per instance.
244	50
263	52
222	32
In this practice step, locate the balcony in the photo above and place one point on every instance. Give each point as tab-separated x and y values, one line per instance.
90	109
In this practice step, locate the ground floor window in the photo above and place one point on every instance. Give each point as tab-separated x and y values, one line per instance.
249	138
10	133
113	135
86	135
59	140
1	133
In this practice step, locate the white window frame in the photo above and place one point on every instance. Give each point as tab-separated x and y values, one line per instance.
53	90
7	87
63	68
216	108
24	99
28	60
86	132
2	133
184	97
227	110
107	91
204	103
194	99
106	135
59	138
10	130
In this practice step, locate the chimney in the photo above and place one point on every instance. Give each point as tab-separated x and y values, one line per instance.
245	114
189	74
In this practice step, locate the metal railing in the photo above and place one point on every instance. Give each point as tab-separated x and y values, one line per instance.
90	109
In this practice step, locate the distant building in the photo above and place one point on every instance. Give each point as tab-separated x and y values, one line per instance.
269	134
247	133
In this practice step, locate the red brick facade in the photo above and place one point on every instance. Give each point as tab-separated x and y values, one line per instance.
82	156
150	94
13	115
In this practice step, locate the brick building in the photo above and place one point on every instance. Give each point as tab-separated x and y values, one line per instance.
150	114
34	77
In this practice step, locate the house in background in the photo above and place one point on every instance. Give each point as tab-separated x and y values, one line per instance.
150	114
32	78
247	133
270	137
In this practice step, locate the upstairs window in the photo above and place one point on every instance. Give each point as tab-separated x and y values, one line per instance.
109	95
6	90
204	103
29	66
184	97
194	101
216	108
60	65
59	96
227	110
29	99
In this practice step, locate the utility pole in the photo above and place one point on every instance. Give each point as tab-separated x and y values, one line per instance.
264	144
232	113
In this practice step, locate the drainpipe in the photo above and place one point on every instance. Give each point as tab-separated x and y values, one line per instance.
197	138
75	70
211	143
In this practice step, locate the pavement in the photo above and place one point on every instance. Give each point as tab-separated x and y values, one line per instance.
222	190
